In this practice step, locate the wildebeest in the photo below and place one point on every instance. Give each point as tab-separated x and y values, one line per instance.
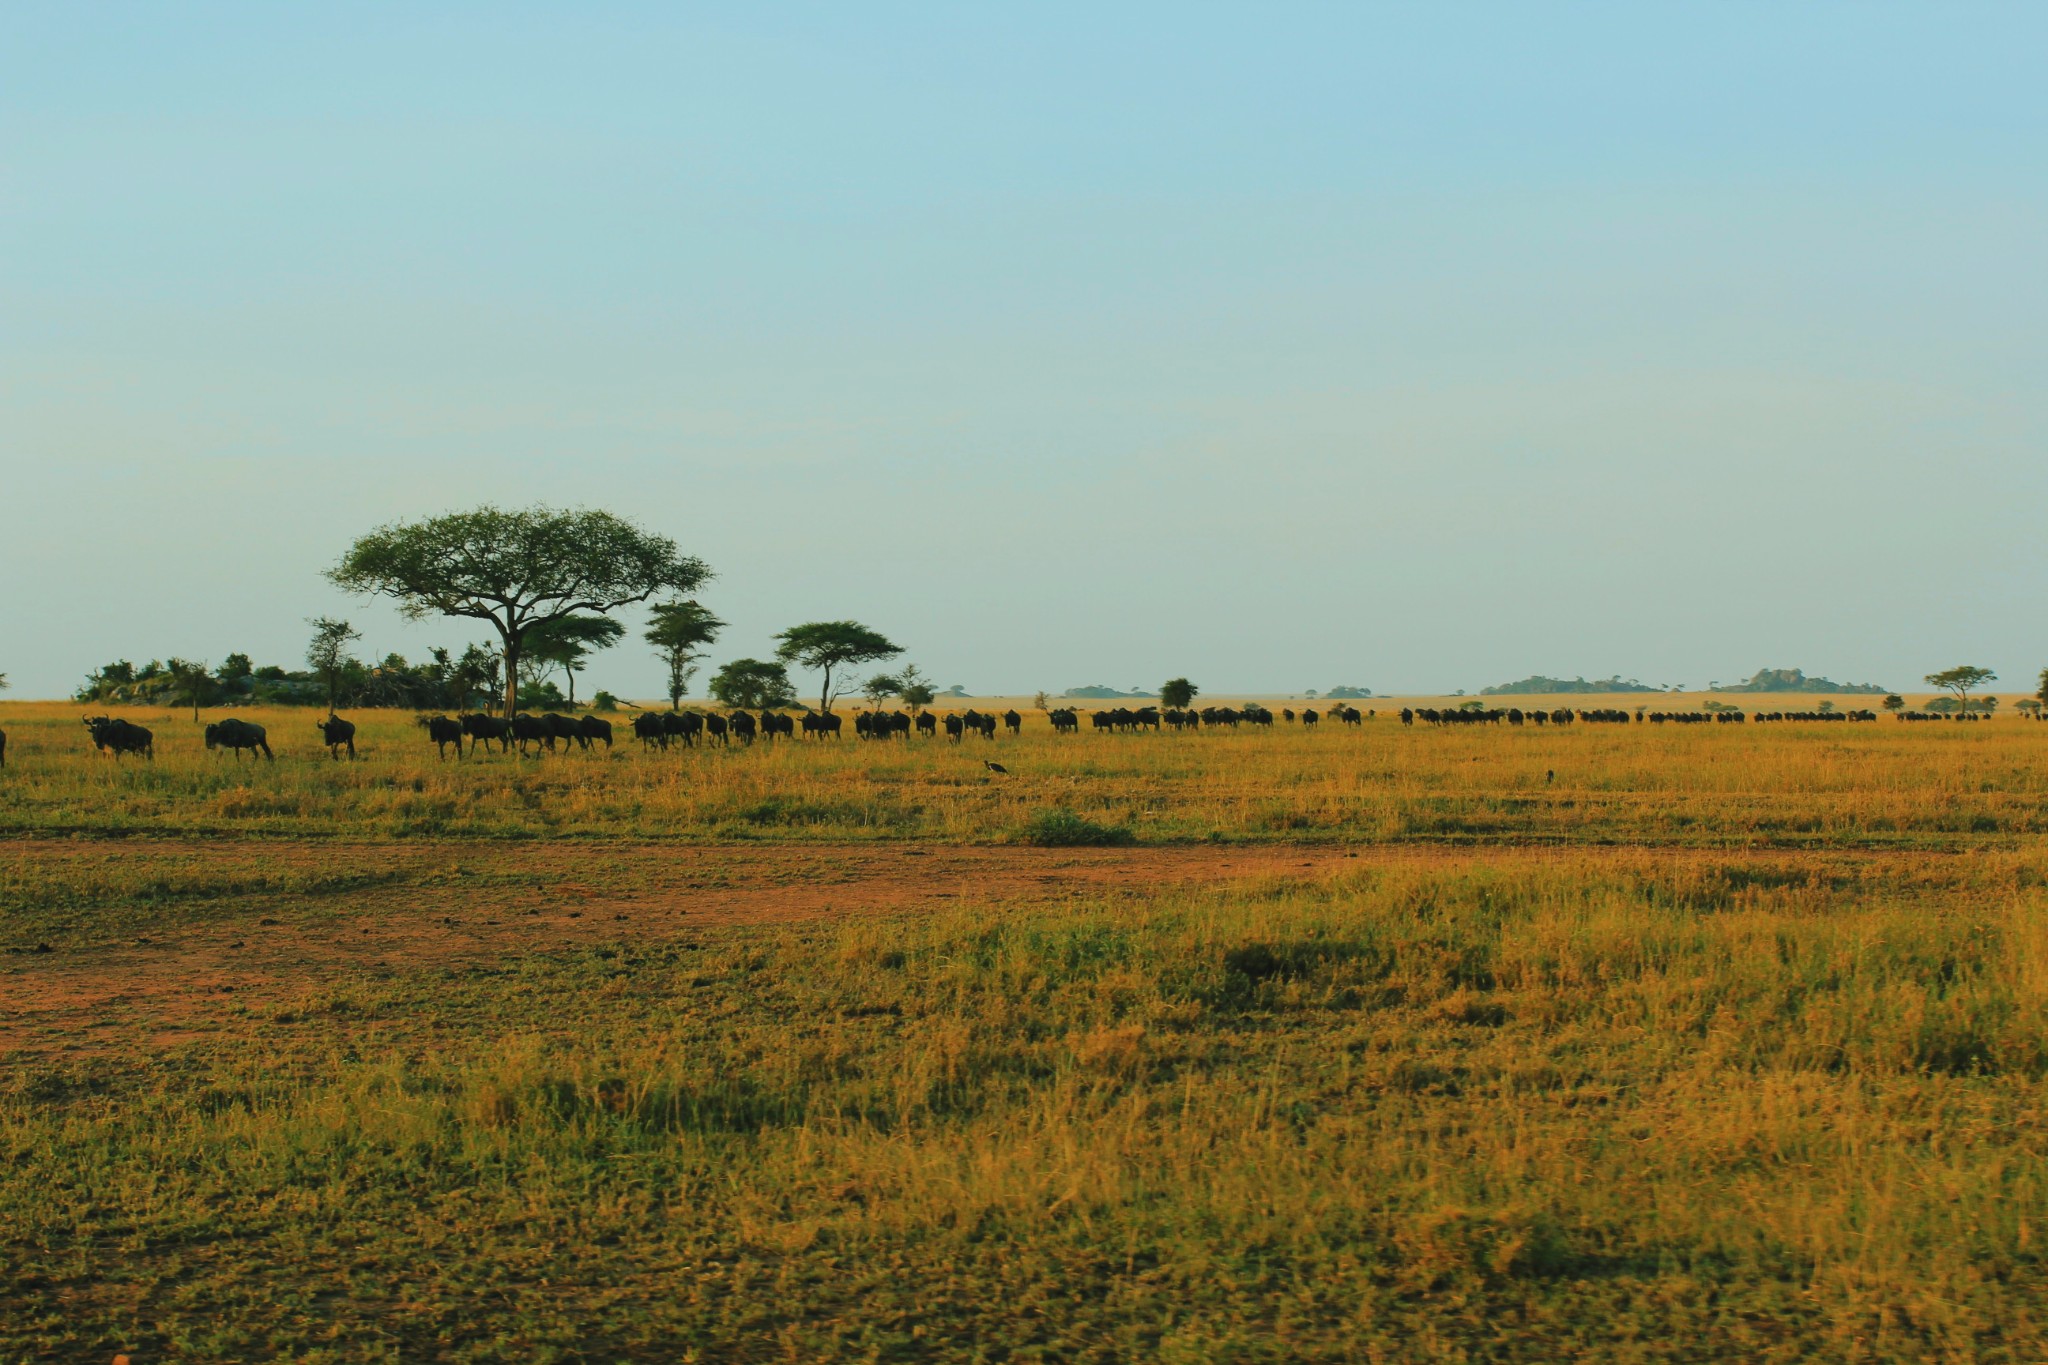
558	727
1309	717
528	730
3	748
238	735
927	724
647	729
119	737
775	723
591	730
742	726
715	727
444	731
683	725
821	724
1013	722
1064	720
483	729
337	734
955	727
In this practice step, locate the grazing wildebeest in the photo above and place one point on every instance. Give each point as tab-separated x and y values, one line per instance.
1013	722
987	726
955	727
1287	714
742	726
529	730
647	729
119	737
715	727
1309	717
444	732
238	735
590	730
337	734
1064	720
483	729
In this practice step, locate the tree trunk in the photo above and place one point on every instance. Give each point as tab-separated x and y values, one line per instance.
511	675
825	693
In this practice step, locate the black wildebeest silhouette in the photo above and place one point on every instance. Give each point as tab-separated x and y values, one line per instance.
337	734
955	727
443	731
742	726
3	748
775	723
120	737
715	727
591	730
528	730
819	724
647	729
483	729
927	724
1013	722
238	735
682	725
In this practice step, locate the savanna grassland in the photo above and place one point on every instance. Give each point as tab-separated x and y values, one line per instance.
1622	1043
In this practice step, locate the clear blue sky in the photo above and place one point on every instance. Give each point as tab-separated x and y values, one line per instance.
1418	347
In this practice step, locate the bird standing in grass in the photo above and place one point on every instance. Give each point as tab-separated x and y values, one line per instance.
994	767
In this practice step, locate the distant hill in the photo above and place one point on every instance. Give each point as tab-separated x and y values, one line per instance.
1793	680
1542	686
1101	693
1348	693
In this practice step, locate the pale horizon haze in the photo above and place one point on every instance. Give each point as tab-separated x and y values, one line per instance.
1283	347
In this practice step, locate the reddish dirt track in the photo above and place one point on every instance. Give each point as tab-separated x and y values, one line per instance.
377	910
521	897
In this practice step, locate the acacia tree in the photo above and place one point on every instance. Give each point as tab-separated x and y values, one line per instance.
753	685
516	570
327	654
191	681
1894	703
2040	693
1960	680
828	645
679	631
914	689
567	642
880	688
1177	693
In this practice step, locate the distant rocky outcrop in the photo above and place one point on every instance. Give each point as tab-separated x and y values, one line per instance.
1101	693
1538	685
1794	680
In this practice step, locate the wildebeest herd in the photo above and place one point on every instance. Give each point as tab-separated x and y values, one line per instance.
1563	715
549	732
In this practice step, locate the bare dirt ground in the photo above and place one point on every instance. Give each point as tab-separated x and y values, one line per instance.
428	906
352	913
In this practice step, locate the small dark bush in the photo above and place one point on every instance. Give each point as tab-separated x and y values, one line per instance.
1064	829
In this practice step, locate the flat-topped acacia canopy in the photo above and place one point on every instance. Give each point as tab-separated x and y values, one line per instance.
516	569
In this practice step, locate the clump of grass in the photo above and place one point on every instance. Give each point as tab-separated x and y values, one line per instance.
1062	828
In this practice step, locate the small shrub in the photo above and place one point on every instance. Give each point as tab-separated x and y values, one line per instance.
1064	829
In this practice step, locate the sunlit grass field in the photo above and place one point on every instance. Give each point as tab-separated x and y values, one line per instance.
1628	1043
